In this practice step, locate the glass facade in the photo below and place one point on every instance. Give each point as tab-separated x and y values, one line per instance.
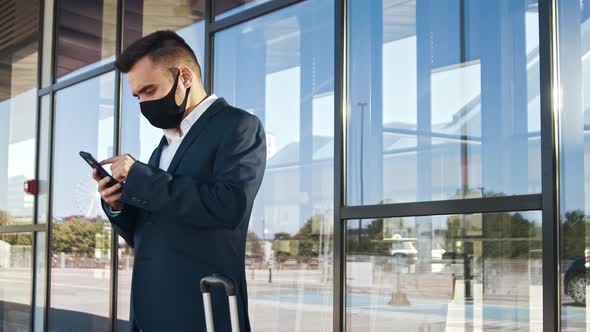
225	8
479	271
81	233
85	35
426	166
574	147
18	111
15	273
289	247
435	113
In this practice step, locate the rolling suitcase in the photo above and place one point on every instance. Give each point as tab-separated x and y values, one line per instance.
230	290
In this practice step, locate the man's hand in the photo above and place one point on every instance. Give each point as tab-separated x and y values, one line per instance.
120	166
108	194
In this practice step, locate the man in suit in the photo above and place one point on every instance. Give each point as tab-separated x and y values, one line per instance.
186	212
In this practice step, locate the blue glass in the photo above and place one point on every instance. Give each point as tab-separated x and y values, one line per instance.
280	68
477	272
40	285
18	109
81	234
225	8
442	105
574	152
17	156
15	288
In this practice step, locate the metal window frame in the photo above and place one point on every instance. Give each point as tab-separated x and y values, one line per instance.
547	201
118	115
548	62
340	95
447	207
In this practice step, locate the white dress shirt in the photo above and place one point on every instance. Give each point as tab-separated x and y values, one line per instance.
174	138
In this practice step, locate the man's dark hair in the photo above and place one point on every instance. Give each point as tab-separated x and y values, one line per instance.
164	47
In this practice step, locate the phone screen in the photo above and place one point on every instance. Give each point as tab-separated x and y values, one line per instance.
95	164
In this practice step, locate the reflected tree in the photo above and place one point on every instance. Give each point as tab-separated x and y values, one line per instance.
573	234
77	236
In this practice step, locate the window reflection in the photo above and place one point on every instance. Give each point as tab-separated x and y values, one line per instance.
280	68
45	114
433	112
142	17
224	8
124	274
86	35
17	157
18	106
15	288
81	233
441	273
40	286
574	151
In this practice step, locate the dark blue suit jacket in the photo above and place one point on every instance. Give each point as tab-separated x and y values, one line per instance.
191	221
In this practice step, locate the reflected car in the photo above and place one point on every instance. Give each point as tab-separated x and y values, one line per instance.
404	252
574	281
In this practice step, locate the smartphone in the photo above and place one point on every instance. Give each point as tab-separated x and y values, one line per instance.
95	164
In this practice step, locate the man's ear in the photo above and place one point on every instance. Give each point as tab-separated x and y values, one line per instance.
186	76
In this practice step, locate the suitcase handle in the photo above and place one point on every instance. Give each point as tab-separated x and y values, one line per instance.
217	279
230	289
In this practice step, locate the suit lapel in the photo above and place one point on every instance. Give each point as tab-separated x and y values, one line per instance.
195	131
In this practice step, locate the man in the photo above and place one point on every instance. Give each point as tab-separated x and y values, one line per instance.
186	211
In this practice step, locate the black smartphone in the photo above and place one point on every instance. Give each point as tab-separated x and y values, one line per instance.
95	164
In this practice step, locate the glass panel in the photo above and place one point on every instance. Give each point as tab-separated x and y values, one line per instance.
436	113
44	152
85	35
125	272
80	243
15	288
474	272
18	108
40	286
143	17
280	68
574	122
47	50
224	8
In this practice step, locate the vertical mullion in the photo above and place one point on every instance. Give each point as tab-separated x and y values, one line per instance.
49	212
208	65
53	61
113	299
340	83
40	23
550	163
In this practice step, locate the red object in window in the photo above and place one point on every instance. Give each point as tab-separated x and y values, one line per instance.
31	187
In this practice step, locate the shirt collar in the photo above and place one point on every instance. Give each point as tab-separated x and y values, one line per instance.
186	123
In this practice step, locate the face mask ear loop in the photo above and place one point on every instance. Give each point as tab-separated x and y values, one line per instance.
172	91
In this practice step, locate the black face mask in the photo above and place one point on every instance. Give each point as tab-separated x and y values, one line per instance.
164	113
